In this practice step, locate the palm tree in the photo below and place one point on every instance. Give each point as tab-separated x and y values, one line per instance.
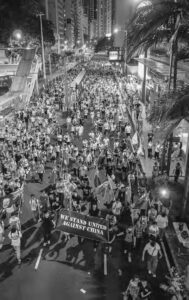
156	21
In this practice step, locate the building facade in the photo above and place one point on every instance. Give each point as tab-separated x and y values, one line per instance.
122	11
78	23
104	18
70	24
55	12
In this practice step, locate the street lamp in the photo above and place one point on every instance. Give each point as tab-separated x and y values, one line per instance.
116	30
42	45
17	34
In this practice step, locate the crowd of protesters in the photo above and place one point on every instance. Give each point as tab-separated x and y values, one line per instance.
94	142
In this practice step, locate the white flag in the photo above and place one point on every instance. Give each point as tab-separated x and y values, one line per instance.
135	139
111	183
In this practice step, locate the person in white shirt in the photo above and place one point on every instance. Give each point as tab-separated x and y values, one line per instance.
35	209
106	141
162	223
106	127
15	237
14	221
68	121
150	146
153	250
80	131
157	150
92	114
117	208
128	130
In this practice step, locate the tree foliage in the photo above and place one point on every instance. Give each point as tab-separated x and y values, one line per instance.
155	22
22	14
171	109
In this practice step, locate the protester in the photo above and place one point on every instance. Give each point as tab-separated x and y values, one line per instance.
145	290
15	237
153	251
132	291
47	226
162	223
35	208
129	242
177	172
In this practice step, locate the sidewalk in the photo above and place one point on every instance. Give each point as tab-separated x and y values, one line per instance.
147	163
57	74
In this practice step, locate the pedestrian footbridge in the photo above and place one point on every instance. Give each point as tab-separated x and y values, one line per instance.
23	82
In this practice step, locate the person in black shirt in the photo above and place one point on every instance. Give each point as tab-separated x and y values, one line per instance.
145	290
47	226
94	210
86	191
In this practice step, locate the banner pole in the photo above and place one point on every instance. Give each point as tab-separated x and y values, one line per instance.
105	265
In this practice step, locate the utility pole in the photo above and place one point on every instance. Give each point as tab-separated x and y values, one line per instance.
50	65
66	84
42	45
125	51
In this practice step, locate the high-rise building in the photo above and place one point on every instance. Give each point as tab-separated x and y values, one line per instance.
92	19
78	22
104	18
121	12
91	10
69	11
85	26
108	17
55	12
85	4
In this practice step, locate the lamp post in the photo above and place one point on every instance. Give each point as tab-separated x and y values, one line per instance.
17	36
42	45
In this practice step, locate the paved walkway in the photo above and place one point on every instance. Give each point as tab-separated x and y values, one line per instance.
147	128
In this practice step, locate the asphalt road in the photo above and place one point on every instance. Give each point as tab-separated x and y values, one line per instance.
66	268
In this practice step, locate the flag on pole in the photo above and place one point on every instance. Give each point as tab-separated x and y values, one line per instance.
111	183
100	190
134	139
93	177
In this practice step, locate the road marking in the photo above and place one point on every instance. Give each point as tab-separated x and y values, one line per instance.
29	240
38	259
